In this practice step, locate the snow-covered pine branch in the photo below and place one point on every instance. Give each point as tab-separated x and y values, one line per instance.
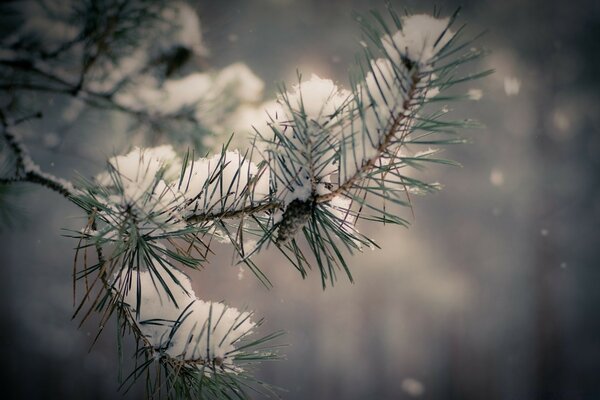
329	156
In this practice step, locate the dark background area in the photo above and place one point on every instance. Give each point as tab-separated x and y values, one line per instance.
491	294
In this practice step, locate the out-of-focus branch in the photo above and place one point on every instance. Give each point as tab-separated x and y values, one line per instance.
27	169
96	99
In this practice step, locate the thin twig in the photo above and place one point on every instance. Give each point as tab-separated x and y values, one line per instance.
27	169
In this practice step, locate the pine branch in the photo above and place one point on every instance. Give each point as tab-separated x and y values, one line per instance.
382	148
27	169
96	99
153	214
234	214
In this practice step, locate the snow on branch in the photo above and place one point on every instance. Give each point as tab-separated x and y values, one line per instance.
330	157
178	324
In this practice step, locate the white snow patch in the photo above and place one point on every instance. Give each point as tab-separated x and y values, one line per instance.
322	102
237	182
187	328
421	38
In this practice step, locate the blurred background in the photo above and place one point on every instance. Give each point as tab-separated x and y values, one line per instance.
493	291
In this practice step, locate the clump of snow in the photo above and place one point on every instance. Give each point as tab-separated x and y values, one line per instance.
381	86
389	83
157	310
318	98
210	332
221	182
140	168
245	121
187	328
320	103
245	86
420	39
170	97
153	186
140	185
199	91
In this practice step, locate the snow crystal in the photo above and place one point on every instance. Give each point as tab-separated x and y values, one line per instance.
512	86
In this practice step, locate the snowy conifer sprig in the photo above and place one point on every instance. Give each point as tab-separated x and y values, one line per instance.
338	156
329	157
332	156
